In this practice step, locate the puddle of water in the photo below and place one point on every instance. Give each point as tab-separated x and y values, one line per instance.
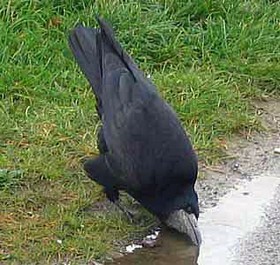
172	247
237	214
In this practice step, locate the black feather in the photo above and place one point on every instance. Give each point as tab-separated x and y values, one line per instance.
144	149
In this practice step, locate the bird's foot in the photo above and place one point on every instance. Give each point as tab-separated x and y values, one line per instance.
129	215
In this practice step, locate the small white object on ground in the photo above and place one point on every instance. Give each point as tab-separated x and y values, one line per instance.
153	236
277	150
132	247
148	238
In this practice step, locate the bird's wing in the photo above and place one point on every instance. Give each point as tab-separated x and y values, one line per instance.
141	131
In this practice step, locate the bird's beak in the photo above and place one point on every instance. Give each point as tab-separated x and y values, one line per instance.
192	229
185	223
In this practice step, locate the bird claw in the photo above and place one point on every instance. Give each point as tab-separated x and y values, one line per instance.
126	212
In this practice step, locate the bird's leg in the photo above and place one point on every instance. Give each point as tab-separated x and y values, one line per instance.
127	213
97	169
113	196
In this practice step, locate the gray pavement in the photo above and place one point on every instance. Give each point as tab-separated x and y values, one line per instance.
244	227
262	246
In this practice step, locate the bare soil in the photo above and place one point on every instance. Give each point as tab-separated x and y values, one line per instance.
250	156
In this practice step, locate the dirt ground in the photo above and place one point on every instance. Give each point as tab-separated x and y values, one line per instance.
250	155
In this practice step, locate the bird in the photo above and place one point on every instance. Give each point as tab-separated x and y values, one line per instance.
143	147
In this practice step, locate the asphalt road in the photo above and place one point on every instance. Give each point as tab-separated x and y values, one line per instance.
244	227
262	246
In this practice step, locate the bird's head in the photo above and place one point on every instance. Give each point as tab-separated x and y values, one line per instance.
184	219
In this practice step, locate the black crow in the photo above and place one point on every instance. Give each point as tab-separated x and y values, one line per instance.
144	150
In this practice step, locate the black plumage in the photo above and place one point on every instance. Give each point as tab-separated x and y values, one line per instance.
144	150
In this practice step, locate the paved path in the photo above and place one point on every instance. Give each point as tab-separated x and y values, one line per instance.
244	227
262	246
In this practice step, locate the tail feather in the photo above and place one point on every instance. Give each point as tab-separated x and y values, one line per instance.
98	53
108	36
86	46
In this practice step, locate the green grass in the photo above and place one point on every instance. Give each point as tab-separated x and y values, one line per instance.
208	59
